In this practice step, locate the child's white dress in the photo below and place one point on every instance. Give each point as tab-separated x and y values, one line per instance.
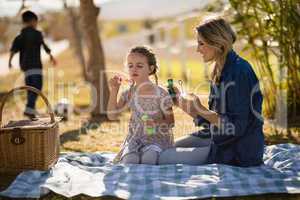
138	139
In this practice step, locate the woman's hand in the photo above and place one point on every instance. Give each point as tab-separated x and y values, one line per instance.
189	103
178	95
196	101
191	98
115	82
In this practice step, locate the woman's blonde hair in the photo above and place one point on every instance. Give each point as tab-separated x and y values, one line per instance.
219	34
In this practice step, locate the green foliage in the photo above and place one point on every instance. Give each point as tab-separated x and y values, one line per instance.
271	28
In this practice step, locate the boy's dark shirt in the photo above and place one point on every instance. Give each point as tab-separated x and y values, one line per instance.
28	43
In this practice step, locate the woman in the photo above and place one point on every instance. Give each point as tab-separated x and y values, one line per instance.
233	119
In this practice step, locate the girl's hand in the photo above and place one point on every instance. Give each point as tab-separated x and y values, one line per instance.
115	82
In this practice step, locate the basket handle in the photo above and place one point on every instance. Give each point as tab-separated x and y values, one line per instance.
32	89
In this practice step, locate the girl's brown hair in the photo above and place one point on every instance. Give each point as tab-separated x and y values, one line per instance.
151	58
218	34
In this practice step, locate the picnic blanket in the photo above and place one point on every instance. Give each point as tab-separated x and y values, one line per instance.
93	174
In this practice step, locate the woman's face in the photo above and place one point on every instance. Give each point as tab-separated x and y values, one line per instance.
138	67
207	51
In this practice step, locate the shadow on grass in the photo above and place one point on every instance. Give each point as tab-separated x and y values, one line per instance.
283	137
92	124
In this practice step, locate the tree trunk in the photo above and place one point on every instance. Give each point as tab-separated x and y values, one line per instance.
76	39
95	62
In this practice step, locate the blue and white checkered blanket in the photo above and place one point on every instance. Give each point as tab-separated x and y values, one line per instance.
94	175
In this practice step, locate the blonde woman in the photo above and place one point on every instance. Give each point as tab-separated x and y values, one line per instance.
232	123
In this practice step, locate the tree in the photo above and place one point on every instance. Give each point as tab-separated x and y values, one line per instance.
272	31
95	61
76	38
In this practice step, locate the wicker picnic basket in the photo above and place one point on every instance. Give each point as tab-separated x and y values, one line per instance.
28	144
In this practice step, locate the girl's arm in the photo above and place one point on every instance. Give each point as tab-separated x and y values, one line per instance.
163	124
167	121
115	106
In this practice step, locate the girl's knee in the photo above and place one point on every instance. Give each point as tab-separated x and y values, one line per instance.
150	157
131	158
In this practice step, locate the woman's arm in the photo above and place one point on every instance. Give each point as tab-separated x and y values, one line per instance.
234	119
211	116
185	104
192	105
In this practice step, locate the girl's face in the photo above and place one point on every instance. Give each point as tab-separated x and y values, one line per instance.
207	51
138	67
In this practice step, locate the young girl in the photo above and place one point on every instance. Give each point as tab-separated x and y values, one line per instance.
151	106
